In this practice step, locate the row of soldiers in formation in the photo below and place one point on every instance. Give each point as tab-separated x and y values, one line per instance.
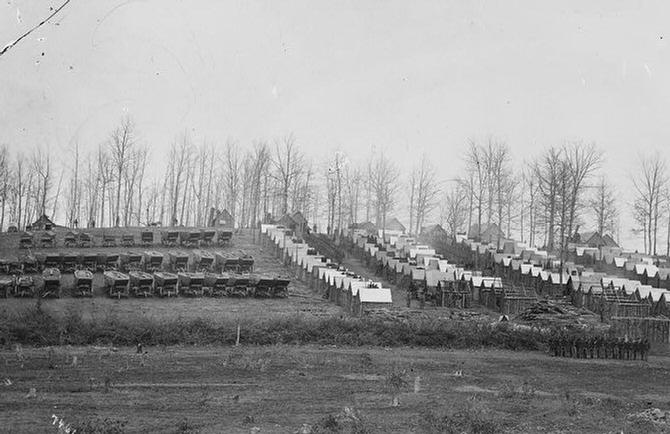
599	347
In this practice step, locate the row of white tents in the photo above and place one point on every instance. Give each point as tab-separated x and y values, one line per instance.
354	293
532	262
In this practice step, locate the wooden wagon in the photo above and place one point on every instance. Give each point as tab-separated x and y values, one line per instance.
29	264
108	240
70	239
147	238
216	285
128	240
108	261
152	261
177	260
26	240
264	286
169	238
207	237
245	264
280	289
7	284
191	284
83	283
141	283
88	261
49	260
201	260
165	284
239	286
130	261
25	286
226	262
224	238
85	240
116	284
189	238
4	265
48	239
51	287
69	261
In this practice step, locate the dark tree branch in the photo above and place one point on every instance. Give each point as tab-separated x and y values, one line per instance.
25	35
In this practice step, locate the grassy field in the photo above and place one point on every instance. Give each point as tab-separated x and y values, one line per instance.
278	389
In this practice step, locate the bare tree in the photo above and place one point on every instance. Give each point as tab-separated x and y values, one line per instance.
288	163
454	209
384	179
334	179
424	189
121	143
92	183
42	166
141	159
233	166
581	161
179	173
474	163
650	183
603	205
4	182
353	178
547	171
19	190
106	176
74	200
259	163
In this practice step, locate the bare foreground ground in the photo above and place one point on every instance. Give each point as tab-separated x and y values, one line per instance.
280	388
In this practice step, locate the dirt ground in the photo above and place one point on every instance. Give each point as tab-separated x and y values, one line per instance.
278	389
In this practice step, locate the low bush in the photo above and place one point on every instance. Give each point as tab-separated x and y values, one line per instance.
464	418
35	326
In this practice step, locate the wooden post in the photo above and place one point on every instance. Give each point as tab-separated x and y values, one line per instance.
237	341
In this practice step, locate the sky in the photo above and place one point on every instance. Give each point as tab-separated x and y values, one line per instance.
405	77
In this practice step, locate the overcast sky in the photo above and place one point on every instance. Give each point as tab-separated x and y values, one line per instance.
404	76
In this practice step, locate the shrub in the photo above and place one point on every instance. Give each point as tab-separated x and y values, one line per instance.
35	326
100	426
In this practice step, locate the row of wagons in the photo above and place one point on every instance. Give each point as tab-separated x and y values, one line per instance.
142	284
170	238
150	261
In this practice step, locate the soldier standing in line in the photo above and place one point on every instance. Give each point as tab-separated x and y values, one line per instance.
409	297
579	347
422	298
590	346
618	348
626	349
553	347
645	349
597	343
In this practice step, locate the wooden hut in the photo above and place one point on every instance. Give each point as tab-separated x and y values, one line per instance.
372	298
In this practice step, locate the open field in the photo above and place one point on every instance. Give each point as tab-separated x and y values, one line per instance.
279	388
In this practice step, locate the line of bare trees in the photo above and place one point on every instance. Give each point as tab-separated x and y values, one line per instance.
544	202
